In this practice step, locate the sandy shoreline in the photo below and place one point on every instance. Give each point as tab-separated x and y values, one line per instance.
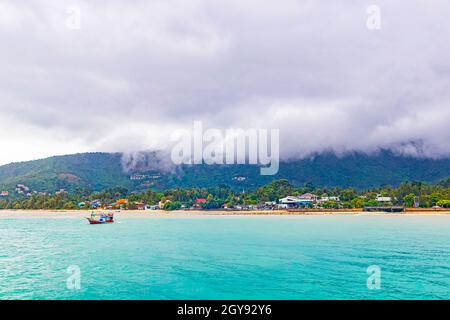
80	214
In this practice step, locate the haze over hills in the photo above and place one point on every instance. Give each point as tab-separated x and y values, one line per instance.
99	171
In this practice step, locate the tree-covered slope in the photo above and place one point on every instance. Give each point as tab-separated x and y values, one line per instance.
354	170
98	171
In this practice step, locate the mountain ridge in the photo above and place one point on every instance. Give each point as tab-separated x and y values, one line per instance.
98	171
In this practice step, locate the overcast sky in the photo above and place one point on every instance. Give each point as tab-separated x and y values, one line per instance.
137	70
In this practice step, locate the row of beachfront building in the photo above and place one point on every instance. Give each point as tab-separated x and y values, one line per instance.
304	200
312	200
307	200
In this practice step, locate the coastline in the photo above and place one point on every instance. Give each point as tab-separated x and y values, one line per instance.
151	214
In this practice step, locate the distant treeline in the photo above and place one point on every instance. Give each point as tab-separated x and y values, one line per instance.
407	194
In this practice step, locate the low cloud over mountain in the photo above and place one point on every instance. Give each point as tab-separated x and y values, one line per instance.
130	74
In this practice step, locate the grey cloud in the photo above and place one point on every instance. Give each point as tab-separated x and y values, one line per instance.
310	68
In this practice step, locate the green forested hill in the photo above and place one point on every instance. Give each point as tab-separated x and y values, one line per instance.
87	170
98	171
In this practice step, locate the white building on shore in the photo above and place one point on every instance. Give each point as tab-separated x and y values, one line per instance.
380	198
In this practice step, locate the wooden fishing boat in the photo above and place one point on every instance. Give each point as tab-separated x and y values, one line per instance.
101	218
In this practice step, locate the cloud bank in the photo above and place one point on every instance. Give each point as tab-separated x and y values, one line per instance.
136	71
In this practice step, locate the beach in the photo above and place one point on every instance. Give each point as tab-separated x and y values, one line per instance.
152	214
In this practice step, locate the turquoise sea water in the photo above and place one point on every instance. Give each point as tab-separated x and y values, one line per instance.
301	257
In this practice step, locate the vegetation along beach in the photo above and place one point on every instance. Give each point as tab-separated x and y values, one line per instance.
278	197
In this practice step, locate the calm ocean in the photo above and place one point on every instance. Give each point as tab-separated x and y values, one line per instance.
300	257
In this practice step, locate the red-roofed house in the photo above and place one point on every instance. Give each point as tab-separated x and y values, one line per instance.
199	202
